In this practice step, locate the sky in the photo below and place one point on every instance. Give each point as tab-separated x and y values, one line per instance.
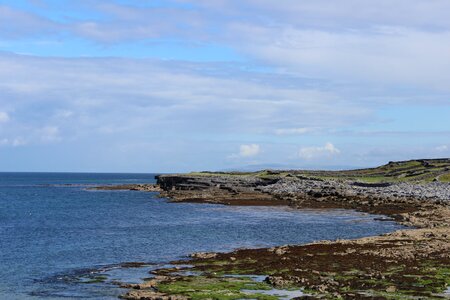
184	85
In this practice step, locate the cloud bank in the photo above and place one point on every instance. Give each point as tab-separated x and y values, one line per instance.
249	150
370	77
4	117
326	151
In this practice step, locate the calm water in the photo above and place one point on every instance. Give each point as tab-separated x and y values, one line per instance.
55	235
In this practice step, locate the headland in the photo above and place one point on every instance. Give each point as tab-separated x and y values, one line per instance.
406	264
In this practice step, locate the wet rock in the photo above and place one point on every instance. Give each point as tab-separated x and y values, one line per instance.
129	187
391	289
278	281
279	250
203	255
150	295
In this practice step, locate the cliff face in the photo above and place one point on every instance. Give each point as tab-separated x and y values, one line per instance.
220	189
171	182
204	182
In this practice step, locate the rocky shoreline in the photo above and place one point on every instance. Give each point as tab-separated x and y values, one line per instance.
143	187
407	264
419	205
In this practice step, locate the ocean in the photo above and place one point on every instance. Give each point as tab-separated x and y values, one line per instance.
60	240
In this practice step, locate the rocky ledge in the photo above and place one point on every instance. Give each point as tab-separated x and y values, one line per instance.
409	203
129	187
407	264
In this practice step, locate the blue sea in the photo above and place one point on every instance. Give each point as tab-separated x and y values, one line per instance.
57	236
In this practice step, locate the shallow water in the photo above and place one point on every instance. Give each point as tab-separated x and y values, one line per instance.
55	234
282	294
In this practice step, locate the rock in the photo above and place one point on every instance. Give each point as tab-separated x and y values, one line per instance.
278	281
391	289
203	255
129	187
280	251
150	295
322	288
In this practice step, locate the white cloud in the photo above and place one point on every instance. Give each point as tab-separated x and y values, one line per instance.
18	142
15	142
307	63
402	43
442	148
294	131
386	42
249	150
64	114
376	56
4	117
333	14
327	150
49	134
129	96
17	23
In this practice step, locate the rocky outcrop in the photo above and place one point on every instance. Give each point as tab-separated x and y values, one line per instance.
433	192
150	295
188	182
129	187
394	264
223	189
148	290
406	202
406	264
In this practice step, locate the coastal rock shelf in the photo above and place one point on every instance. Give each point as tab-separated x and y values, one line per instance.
422	204
128	187
407	264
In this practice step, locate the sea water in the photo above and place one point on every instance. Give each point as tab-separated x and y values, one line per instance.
56	235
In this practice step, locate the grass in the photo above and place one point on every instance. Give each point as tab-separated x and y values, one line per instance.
427	279
445	177
95	279
422	171
219	288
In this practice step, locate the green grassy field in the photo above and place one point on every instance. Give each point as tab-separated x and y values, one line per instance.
422	170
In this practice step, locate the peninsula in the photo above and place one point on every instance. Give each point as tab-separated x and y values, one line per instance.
409	264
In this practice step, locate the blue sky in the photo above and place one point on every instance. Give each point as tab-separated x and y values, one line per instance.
172	86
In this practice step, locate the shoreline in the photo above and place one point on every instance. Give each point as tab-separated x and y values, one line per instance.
142	187
406	264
